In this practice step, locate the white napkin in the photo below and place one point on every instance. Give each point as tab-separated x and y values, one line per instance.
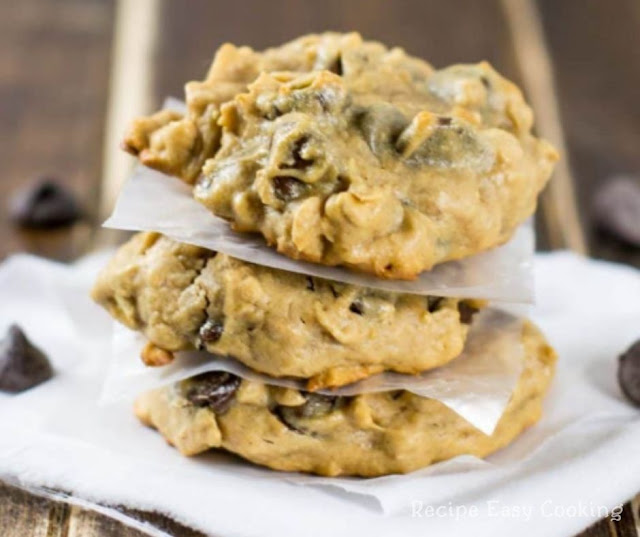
577	464
152	201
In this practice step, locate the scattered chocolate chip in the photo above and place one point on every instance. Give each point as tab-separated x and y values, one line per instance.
629	373
466	311
444	121
211	331
300	163
433	302
214	390
311	286
45	204
356	307
288	188
616	208
22	365
485	82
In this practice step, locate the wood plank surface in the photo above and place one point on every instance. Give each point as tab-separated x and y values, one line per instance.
54	68
57	83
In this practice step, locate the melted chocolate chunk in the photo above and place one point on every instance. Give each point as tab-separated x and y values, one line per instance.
281	413
444	121
356	307
336	66
311	286
317	405
211	331
288	188
214	390
467	312
46	204
22	365
381	125
629	373
433	303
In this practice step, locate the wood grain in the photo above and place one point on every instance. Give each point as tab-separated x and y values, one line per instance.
596	54
54	59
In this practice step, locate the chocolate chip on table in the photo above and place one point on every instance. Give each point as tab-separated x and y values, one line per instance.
214	390
22	364
433	303
629	373
45	204
211	331
288	188
616	208
467	311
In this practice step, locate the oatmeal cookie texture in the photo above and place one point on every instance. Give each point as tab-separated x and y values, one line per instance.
283	324
367	435
343	152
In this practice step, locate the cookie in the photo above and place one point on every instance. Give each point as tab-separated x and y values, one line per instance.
365	435
183	297
341	151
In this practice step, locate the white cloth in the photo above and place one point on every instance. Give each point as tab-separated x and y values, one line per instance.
578	462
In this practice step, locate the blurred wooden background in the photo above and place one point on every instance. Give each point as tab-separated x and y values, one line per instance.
73	71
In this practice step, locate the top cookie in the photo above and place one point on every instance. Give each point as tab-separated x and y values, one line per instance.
342	152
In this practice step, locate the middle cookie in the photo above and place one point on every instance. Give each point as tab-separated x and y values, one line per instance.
184	297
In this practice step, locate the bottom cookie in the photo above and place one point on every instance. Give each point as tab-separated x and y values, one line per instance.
365	435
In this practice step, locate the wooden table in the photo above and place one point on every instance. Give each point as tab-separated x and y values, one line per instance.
72	72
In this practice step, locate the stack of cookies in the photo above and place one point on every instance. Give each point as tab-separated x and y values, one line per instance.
339	152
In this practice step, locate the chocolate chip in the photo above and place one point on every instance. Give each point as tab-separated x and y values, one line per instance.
336	66
282	414
317	404
466	311
46	204
485	82
288	188
356	307
617	209
433	302
211	331
381	124
311	286
444	121
22	365
214	390
629	373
